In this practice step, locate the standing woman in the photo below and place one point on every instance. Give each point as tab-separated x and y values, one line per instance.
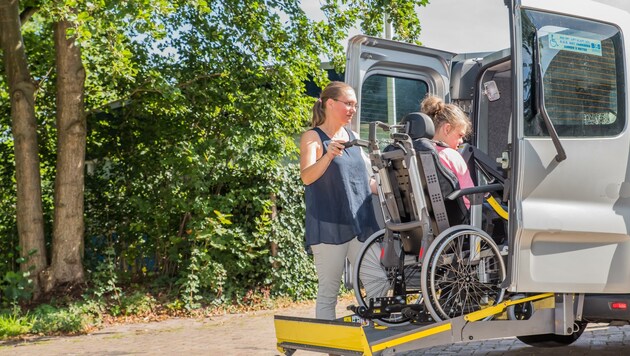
339	211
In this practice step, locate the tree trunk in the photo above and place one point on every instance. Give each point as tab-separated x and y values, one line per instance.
30	220
68	224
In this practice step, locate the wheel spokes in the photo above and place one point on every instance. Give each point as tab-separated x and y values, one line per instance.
465	275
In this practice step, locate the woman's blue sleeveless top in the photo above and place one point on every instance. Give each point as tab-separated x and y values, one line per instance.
339	203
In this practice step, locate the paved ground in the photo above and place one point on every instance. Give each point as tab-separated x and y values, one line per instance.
596	340
253	334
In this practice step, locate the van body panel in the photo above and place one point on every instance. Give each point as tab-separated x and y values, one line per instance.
388	75
570	222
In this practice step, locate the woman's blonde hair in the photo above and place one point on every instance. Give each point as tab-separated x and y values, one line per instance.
332	91
443	113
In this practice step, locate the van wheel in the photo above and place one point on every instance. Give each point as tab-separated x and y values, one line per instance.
553	340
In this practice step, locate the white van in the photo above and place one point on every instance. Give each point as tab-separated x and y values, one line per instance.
553	111
569	191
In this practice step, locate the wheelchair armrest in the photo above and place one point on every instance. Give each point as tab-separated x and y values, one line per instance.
475	190
398	227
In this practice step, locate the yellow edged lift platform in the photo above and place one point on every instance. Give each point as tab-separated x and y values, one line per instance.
352	338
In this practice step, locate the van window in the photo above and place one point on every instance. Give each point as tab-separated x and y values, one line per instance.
388	98
583	75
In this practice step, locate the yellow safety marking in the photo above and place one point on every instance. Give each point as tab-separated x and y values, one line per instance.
497	207
345	337
544	303
415	336
352	337
486	312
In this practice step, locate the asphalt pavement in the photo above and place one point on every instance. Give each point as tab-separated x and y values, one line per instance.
254	334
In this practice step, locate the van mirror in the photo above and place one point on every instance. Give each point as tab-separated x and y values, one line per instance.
491	91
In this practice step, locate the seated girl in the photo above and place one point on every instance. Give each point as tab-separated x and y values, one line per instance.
451	127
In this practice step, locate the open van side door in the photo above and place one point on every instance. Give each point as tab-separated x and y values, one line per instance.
390	78
570	203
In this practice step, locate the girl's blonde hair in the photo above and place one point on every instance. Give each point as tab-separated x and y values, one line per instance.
332	91
443	113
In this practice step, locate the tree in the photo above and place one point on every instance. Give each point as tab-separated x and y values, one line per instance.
68	225
207	140
198	135
30	218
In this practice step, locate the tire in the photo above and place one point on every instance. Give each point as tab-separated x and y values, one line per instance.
371	279
453	283
522	311
553	340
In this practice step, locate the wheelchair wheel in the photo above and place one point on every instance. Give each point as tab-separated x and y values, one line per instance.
372	280
458	279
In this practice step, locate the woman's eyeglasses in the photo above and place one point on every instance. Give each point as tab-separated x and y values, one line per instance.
348	104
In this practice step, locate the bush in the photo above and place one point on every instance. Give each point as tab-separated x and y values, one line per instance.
293	274
138	304
15	287
223	247
49	319
12	324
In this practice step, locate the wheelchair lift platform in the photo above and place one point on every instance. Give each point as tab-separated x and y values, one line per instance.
352	338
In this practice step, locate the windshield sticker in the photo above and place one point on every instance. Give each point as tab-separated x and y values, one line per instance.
575	44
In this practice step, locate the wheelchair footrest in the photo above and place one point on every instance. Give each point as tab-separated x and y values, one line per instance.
386	306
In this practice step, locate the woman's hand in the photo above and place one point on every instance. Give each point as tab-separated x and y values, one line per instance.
335	148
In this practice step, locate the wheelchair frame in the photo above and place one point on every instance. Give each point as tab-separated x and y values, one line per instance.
416	221
555	314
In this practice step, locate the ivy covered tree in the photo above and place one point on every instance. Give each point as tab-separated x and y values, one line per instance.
188	112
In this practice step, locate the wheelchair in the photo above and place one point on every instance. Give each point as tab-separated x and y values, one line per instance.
428	263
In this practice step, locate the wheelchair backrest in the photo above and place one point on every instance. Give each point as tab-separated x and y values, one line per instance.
411	167
401	206
421	129
455	210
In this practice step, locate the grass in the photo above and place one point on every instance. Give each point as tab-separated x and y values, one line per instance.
12	324
83	312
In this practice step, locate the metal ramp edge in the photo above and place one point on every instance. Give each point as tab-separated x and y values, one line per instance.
328	336
348	338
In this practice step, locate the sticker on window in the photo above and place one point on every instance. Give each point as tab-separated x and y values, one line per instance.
575	44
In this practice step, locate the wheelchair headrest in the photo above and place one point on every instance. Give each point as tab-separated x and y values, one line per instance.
420	125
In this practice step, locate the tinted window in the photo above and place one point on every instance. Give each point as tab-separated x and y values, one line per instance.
388	99
583	79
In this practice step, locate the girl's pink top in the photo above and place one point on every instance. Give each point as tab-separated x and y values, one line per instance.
455	162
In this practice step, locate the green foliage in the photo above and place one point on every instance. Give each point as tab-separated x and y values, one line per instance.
48	319
368	15
105	277
16	286
196	164
138	304
293	274
91	309
8	227
203	273
193	109
13	324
